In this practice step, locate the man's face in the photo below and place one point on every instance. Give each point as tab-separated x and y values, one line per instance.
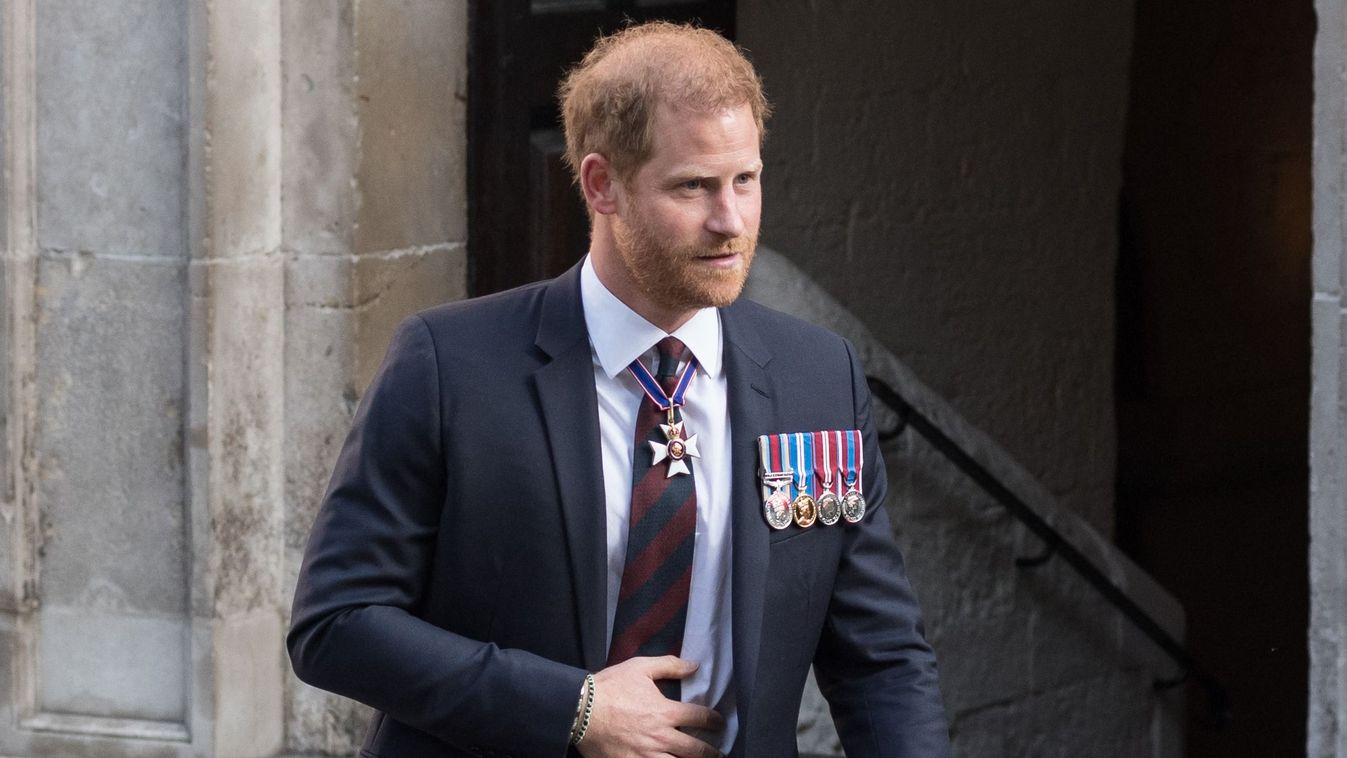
687	227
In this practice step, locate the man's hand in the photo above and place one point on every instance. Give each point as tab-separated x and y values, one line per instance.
632	718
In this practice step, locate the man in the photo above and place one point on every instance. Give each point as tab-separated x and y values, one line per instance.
547	529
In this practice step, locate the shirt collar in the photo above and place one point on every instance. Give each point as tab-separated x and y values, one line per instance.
618	335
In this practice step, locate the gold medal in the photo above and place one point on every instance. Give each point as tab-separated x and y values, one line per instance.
806	510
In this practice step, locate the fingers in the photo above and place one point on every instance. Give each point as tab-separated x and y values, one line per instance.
697	717
687	746
669	667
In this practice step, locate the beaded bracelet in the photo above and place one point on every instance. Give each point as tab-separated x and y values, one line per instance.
584	709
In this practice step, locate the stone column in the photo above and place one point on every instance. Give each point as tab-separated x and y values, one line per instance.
373	226
214	215
98	645
1327	728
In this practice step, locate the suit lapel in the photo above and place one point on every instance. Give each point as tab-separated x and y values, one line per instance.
565	387
752	413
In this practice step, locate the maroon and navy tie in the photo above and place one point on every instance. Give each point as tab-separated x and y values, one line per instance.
652	604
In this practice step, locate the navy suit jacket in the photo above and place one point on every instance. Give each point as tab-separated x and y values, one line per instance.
455	576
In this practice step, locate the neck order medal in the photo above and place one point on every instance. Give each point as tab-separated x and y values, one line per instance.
678	446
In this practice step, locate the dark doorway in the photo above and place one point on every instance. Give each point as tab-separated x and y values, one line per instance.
525	220
1214	347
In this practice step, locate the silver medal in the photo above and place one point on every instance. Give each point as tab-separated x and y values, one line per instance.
829	507
853	506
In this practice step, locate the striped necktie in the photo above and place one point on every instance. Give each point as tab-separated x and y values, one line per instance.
653	600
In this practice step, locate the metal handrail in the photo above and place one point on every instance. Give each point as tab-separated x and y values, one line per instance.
1218	700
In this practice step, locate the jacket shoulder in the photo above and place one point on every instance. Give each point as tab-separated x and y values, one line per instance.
783	332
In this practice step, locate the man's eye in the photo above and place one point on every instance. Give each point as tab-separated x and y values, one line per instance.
692	184
744	178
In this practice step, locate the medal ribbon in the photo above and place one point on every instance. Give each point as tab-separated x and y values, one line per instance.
827	459
840	449
803	449
855	460
655	392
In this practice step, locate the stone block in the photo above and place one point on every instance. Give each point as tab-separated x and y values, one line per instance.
1328	569
321	723
1102	717
10	642
112	664
111	106
249	685
319	281
9	507
1330	165
1074	630
319	404
109	484
319	121
390	287
411	68
982	661
246	434
243	110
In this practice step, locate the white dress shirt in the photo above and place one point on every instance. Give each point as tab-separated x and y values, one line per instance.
617	336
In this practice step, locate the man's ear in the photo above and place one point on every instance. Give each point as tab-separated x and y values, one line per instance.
599	184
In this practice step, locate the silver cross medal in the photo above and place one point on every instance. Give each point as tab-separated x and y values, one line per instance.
675	447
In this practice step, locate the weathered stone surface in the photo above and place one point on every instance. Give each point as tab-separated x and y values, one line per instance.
243	127
110	357
320	723
319	402
104	662
817	735
109	163
1327	727
411	65
1100	717
939	168
9	505
248	673
389	287
319	118
321	282
246	434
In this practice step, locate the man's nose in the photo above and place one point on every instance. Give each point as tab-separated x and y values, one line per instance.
725	218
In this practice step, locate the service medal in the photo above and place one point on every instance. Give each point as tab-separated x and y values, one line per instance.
777	477
676	448
805	509
777	509
829	506
853	502
853	506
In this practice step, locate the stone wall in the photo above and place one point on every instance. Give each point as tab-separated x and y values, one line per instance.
216	212
950	173
1327	728
1033	661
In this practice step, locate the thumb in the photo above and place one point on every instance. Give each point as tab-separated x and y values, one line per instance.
670	667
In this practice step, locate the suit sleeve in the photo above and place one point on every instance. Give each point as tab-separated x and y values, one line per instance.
873	664
354	628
